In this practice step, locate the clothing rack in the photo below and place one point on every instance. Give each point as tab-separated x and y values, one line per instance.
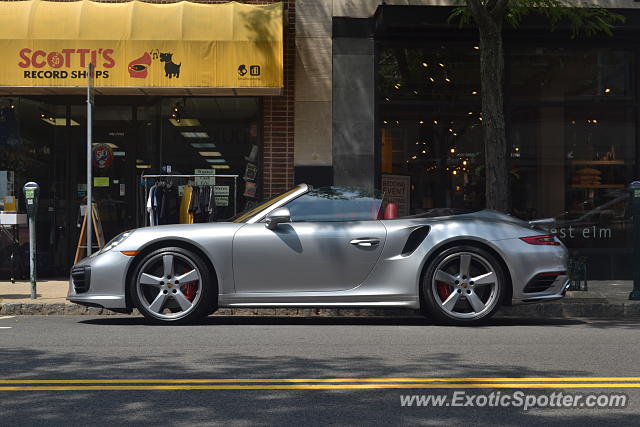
168	176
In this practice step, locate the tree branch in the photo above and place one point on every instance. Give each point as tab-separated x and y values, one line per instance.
479	12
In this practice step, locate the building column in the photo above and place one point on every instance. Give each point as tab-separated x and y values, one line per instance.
353	112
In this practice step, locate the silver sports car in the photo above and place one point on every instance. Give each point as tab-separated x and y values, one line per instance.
327	247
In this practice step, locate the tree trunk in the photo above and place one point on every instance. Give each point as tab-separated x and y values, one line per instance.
497	183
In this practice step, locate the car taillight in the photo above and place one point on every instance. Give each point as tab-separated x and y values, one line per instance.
547	239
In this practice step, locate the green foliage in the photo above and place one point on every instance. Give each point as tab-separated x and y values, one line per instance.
587	19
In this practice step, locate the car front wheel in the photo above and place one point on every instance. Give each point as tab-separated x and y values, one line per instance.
172	285
463	286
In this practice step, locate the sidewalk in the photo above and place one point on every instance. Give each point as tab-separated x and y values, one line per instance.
603	299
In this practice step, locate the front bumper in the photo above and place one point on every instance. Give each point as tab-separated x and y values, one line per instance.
100	281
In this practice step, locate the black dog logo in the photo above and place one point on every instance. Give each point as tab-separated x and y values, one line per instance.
171	69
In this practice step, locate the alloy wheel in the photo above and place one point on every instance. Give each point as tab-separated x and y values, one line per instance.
169	286
465	285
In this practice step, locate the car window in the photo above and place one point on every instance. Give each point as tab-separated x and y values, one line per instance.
245	215
332	204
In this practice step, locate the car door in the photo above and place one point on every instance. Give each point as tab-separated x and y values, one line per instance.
325	247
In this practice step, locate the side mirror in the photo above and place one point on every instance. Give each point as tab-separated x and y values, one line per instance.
276	217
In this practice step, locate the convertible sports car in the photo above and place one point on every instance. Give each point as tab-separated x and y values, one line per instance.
331	247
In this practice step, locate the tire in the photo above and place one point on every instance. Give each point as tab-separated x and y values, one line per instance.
173	286
450	295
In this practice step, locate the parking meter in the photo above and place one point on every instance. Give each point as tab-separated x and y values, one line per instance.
634	202
31	192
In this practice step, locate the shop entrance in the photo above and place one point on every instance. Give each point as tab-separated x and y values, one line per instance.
43	139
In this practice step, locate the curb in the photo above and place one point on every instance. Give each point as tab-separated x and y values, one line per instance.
596	309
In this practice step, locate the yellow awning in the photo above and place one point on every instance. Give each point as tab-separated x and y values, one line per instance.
136	46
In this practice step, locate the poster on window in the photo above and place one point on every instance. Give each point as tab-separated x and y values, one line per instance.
249	189
396	190
250	172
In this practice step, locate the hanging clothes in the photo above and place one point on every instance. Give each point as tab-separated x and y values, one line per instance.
186	217
169	205
211	208
150	209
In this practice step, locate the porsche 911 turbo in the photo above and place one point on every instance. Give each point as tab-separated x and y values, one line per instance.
327	247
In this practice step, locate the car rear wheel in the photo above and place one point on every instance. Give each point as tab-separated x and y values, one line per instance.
463	286
173	285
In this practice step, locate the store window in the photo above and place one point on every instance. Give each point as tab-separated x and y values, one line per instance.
33	148
572	123
551	73
440	152
429	72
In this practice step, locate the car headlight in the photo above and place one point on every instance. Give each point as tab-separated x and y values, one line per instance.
115	241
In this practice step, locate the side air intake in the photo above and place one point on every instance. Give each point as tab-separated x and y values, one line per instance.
416	237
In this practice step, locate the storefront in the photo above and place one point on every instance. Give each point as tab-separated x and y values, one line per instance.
181	88
572	114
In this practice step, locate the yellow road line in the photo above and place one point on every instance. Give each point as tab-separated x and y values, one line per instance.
319	380
320	386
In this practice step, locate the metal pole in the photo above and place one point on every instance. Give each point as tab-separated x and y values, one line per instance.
32	254
634	201
89	174
235	195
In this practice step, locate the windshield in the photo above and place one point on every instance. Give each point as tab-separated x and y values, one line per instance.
248	213
332	204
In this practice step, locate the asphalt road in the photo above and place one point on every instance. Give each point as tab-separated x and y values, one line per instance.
556	355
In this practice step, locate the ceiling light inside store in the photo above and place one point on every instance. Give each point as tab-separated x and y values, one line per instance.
425	65
473	92
210	153
607	90
476	47
58	121
220	167
119	153
185	122
203	145
195	134
216	160
110	144
143	166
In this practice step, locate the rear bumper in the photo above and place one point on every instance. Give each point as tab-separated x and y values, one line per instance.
535	298
526	263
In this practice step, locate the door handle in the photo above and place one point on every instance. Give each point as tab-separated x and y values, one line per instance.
365	242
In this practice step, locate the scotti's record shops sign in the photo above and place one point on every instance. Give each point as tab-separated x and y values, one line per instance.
138	44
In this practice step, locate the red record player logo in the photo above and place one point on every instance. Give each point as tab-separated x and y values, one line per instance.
139	68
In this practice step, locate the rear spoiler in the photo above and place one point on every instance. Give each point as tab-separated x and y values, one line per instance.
542	223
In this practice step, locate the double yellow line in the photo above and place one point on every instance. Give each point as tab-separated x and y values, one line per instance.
320	383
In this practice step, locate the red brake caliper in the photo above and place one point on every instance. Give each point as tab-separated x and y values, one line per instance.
189	290
443	290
